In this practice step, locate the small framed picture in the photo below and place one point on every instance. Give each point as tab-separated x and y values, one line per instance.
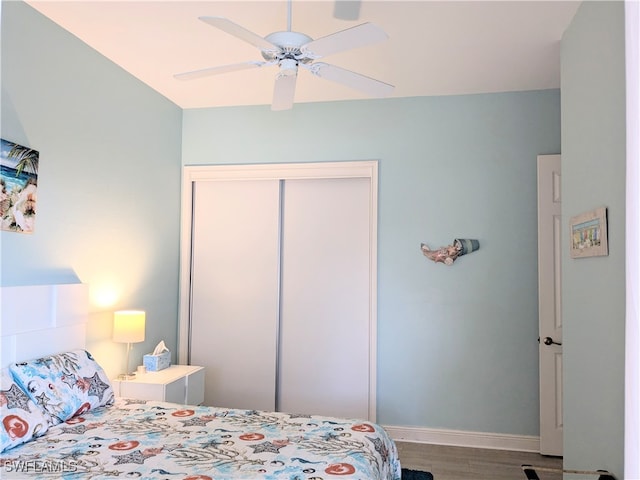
589	234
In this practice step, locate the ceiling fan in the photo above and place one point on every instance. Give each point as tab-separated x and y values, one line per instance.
289	50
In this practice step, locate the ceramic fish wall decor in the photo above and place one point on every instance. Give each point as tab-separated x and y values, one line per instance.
448	254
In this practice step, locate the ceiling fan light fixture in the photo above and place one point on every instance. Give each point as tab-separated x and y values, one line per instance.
288	67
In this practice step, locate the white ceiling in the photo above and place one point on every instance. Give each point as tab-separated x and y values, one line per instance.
434	47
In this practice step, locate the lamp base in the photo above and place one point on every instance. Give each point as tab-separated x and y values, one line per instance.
127	376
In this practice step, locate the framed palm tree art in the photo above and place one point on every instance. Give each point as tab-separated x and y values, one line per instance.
18	187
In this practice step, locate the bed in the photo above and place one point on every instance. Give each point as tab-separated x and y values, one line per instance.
60	419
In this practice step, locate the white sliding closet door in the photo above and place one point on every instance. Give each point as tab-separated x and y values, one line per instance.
324	329
234	290
278	285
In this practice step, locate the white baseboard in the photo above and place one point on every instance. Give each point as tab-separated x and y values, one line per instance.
458	438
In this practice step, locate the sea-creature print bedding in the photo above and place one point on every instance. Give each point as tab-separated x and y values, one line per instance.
157	440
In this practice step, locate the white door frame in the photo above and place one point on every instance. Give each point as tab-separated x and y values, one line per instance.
356	169
632	240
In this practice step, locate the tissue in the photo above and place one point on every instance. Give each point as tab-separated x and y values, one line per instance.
159	359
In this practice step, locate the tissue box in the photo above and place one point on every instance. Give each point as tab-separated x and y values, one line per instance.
153	363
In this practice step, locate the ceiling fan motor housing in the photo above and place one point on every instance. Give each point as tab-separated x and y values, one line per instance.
289	44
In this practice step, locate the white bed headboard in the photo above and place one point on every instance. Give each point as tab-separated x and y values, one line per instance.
39	320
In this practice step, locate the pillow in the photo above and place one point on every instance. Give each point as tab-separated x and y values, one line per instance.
21	419
64	385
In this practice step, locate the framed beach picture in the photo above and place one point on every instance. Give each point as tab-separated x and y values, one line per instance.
589	234
18	187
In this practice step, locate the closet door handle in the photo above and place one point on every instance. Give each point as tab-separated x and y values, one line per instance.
550	341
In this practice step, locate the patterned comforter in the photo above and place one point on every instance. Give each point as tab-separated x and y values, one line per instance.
157	440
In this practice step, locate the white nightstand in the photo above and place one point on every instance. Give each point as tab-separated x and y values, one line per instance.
177	384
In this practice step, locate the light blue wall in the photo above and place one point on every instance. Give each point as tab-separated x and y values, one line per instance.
593	175
457	346
109	177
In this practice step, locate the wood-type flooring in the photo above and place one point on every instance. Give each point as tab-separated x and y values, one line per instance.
461	463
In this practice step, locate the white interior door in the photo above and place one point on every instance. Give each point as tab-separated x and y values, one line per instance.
324	348
550	304
234	290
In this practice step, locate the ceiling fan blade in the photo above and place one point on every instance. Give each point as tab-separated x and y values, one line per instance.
283	92
346	9
354	37
205	72
374	88
242	33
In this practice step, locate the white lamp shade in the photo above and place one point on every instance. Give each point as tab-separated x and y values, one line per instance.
128	326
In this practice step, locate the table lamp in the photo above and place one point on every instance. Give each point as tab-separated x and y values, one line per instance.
128	327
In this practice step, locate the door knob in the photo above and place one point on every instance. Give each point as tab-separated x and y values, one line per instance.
550	341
